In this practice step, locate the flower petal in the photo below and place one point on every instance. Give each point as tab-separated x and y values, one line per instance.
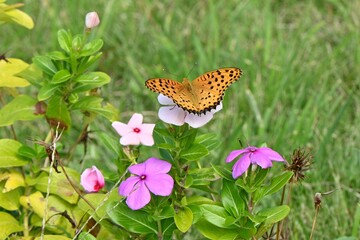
156	166
146	139
197	121
138	169
92	179
234	154
261	159
164	100
147	128
172	115
121	128
241	166
139	197
136	120
128	185
271	154
160	184
218	108
130	139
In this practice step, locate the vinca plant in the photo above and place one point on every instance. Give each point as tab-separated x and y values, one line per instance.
173	194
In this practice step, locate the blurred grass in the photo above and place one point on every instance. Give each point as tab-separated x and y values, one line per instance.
300	86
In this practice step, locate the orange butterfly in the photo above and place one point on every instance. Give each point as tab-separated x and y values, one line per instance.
200	95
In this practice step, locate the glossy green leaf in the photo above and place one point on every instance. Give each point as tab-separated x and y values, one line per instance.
45	64
183	219
231	199
61	76
8	154
94	104
64	39
214	214
211	231
90	61
57	55
8	225
276	184
273	215
91	80
47	91
133	221
21	107
223	171
77	42
92	47
195	152
57	112
9	200
208	140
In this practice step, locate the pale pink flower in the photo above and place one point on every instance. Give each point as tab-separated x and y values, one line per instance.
149	176
92	20
92	179
135	132
252	155
175	115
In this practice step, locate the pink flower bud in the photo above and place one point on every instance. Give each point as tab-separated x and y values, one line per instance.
92	20
92	179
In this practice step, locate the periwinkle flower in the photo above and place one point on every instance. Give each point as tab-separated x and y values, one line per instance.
149	176
92	20
92	179
262	157
135	132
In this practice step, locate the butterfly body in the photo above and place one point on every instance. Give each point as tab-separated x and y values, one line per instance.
199	96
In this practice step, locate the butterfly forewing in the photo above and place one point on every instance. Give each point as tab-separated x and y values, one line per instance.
205	92
174	90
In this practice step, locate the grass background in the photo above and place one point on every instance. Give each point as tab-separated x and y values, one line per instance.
300	87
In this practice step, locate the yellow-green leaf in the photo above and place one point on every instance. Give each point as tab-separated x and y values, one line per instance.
8	70
21	18
8	225
183	219
9	200
8	154
14	181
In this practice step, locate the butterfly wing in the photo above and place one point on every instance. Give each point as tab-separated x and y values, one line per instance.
210	87
174	90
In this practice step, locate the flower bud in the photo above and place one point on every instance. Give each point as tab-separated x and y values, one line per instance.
92	20
92	179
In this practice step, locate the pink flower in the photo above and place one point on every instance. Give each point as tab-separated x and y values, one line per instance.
173	114
92	180
92	20
135	132
259	156
150	176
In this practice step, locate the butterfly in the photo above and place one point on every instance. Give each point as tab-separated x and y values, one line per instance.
202	94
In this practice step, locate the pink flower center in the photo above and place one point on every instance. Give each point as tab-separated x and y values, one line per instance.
97	186
252	150
137	130
143	177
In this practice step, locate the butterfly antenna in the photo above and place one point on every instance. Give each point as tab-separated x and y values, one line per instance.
195	64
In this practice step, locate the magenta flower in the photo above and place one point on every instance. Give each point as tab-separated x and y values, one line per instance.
92	179
91	20
252	155
150	176
135	132
175	115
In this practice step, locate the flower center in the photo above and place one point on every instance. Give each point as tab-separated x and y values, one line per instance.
143	177
97	186
137	130
252	149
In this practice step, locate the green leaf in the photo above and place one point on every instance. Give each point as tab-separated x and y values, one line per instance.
8	225
195	152
208	140
86	236
231	199
45	64
273	215
21	107
92	47
64	39
213	232
94	104
57	112
223	171
61	76
47	91
8	154
183	219
90	61
133	221
77	42
57	55
276	184
88	81
216	215
9	200
59	185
